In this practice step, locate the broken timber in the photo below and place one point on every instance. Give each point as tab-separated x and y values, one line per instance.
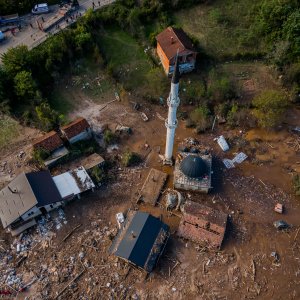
65	238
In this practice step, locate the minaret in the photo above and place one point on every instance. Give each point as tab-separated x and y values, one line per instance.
171	122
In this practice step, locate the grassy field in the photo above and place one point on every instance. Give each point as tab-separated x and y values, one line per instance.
222	28
125	58
9	130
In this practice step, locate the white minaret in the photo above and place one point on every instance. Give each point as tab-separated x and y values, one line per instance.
171	122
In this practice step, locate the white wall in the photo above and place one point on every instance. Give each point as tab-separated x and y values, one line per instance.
81	136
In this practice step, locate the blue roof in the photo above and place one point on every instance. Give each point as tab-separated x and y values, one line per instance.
142	240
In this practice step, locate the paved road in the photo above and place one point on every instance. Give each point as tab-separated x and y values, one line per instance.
32	37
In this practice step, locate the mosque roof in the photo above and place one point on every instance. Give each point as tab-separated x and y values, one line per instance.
193	166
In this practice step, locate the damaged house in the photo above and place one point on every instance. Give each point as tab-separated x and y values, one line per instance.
141	241
202	224
27	196
77	130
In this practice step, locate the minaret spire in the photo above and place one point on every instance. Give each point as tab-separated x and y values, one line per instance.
171	122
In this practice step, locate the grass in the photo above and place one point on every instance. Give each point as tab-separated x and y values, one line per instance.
222	28
125	58
9	130
61	101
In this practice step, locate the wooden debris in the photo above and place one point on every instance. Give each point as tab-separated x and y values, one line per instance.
69	234
74	279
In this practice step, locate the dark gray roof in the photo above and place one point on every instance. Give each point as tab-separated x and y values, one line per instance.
43	188
24	192
193	166
141	240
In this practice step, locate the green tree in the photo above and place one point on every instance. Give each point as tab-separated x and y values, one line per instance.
269	108
25	86
130	158
48	118
15	60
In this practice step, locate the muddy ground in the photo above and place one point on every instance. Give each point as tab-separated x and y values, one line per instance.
243	269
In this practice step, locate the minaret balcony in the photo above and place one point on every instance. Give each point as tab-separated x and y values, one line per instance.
171	125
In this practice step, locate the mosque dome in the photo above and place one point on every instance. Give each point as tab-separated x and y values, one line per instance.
193	166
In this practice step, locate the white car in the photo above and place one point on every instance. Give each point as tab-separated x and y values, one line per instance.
40	9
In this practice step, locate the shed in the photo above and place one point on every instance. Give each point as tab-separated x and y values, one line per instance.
169	42
92	160
77	130
73	183
141	241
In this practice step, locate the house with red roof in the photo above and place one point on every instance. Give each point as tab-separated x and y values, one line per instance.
77	130
49	142
171	41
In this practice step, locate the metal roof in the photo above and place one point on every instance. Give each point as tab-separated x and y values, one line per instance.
73	182
43	187
193	166
25	192
141	240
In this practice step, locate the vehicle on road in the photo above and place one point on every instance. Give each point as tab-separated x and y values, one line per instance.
2	36
42	8
9	19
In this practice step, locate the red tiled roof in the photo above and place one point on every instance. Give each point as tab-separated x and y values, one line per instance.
50	141
173	39
76	127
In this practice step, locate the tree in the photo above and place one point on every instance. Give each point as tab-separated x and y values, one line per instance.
15	60
25	86
270	107
48	118
130	158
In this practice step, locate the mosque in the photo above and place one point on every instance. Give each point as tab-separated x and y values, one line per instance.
192	168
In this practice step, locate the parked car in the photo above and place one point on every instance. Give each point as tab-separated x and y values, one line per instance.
40	9
2	36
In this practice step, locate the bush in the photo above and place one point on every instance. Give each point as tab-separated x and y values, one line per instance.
39	155
130	158
270	107
97	174
201	118
109	137
220	87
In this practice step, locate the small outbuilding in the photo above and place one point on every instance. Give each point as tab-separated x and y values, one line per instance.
77	130
91	161
193	172
169	42
73	183
141	240
202	224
